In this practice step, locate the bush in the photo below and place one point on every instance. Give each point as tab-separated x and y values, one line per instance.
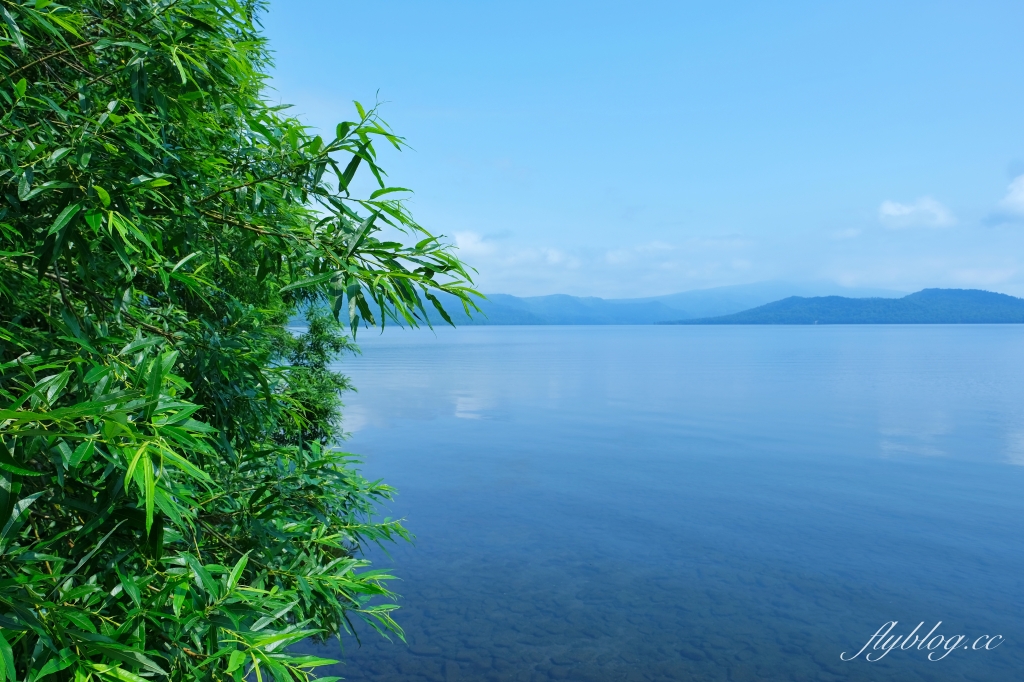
172	505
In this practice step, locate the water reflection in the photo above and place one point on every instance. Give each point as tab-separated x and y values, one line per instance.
657	503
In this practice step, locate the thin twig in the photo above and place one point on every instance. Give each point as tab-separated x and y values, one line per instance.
12	74
220	537
250	227
269	178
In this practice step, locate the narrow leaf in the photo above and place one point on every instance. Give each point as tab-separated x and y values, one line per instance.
65	216
7	660
387	190
360	235
236	572
12	26
308	282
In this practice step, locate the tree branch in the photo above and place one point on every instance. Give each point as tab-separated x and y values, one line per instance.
48	57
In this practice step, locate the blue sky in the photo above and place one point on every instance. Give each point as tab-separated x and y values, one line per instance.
644	148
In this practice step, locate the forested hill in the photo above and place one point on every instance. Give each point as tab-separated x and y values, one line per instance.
503	309
929	306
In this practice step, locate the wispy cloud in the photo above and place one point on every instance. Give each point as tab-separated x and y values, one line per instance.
1011	208
850	254
484	251
666	255
925	212
558	257
471	244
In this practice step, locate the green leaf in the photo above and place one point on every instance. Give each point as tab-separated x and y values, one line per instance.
203	579
137	458
236	572
235	661
7	659
140	344
184	260
64	218
308	282
15	32
103	195
8	463
149	487
45	187
20	88
185	465
157	369
57	155
440	309
64	659
94	219
177	64
117	673
13	522
130	587
387	190
24	186
360	235
82	454
345	179
96	373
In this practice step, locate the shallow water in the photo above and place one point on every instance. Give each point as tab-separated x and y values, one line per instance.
696	503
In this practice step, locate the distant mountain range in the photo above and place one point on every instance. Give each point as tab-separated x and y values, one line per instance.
503	309
930	306
760	303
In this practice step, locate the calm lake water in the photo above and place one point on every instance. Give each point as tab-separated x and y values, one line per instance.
696	503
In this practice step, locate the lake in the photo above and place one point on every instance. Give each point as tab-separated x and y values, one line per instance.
697	503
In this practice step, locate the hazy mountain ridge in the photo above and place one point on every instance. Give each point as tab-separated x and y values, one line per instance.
505	309
928	306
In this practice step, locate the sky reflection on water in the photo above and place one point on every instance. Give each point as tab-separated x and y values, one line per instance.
705	503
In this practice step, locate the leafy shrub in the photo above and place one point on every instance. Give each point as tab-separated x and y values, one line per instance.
172	505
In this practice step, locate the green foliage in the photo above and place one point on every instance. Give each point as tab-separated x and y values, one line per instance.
171	503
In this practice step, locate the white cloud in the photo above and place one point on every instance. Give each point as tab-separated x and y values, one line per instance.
1013	202
491	257
471	244
556	257
925	212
